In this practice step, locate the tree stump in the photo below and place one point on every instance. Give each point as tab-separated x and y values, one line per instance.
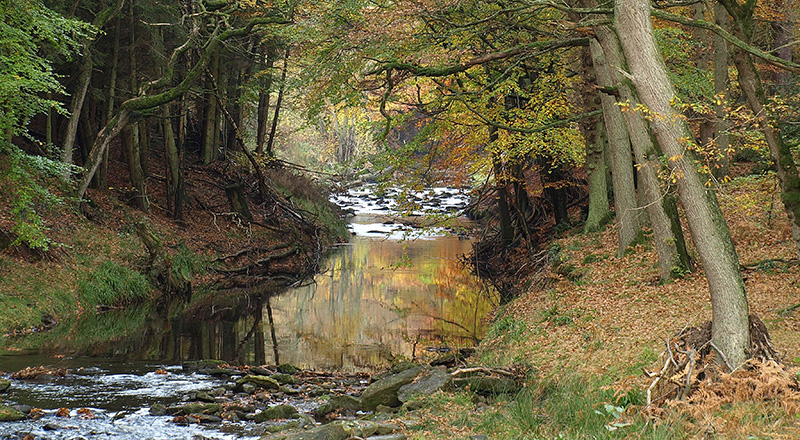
238	201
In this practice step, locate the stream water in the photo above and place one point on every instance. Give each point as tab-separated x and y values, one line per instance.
393	292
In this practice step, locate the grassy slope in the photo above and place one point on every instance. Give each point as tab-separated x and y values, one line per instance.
587	339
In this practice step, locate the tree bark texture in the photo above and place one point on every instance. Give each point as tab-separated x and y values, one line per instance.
175	189
710	233
278	102
619	148
262	132
721	126
209	150
76	104
673	258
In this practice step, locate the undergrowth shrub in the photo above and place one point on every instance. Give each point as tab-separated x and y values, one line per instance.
24	183
113	284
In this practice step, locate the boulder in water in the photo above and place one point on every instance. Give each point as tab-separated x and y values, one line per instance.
10	414
277	412
344	405
264	382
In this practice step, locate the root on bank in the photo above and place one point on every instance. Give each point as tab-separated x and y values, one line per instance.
697	379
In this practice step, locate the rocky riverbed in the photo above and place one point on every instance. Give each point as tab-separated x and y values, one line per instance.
214	400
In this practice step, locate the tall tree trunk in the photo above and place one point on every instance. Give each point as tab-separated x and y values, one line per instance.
76	104
234	95
501	193
783	28
132	144
271	142
701	59
175	190
209	148
673	257
144	145
599	212
133	155
721	125
84	78
267	61
730	327
619	147
112	95
48	128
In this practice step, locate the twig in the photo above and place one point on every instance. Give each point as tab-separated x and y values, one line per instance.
722	355
657	379
471	370
690	370
669	351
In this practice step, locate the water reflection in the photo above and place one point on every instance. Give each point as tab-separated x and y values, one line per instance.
379	300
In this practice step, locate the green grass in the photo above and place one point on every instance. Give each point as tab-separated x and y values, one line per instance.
113	284
30	295
508	329
569	406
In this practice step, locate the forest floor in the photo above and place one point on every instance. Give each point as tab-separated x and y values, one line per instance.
587	328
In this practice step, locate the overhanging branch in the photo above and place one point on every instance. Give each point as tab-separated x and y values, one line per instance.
538	47
730	38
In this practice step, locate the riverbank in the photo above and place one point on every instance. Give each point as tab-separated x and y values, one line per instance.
591	324
112	256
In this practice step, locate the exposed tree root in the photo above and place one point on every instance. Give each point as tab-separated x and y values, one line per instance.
696	377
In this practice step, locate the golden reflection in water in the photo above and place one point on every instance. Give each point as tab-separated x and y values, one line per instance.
379	301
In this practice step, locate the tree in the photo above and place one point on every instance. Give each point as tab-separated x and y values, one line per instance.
710	234
30	32
160	91
673	258
86	65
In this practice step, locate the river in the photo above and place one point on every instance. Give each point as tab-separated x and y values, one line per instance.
392	293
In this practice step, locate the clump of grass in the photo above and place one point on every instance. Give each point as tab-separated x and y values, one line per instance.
571	406
185	264
113	284
507	329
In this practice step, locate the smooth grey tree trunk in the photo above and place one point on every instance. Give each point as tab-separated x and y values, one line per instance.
596	168
673	258
710	233
619	148
721	126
